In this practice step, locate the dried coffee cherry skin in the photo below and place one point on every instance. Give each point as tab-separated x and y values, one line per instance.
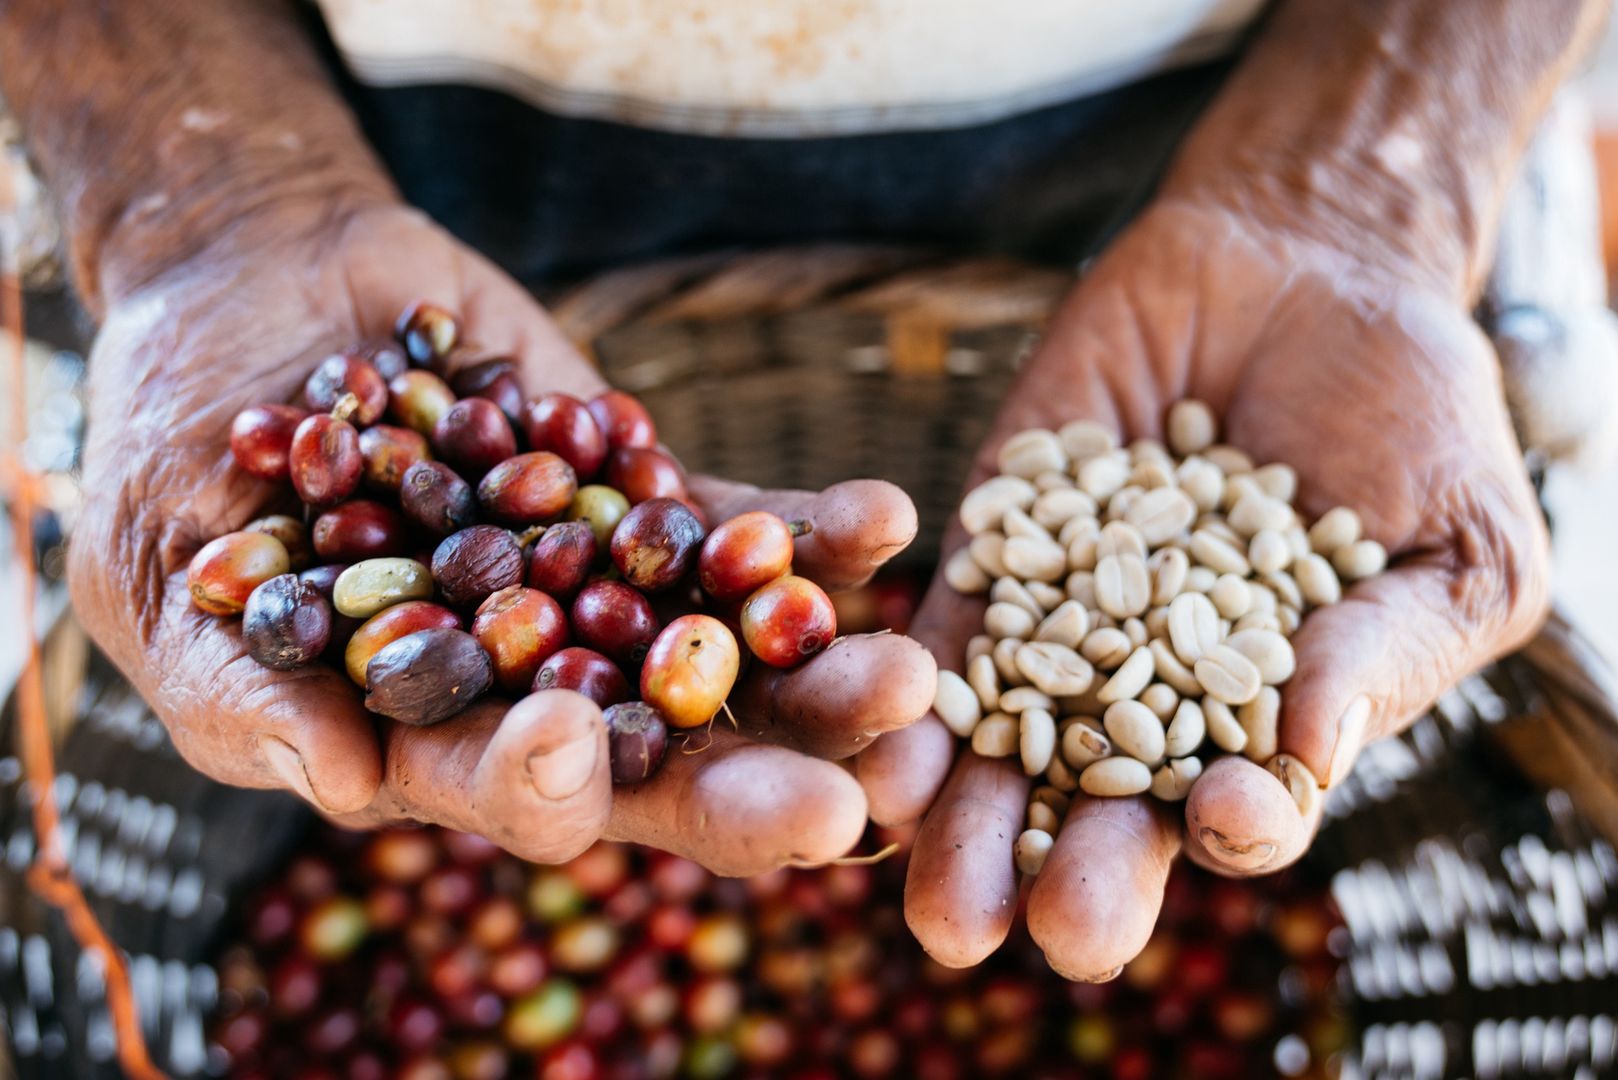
528	488
612	618
656	544
224	573
788	621
637	739
388	452
520	628
435	497
494	378
287	623
261	439
745	553
623	420
325	460
560	559
475	562
428	333
563	425
389	626
642	473
419	399
428	676
585	671
347	373
359	529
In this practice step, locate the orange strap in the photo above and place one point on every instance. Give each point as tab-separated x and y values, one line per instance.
50	876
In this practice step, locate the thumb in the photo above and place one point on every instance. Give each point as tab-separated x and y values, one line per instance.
1371	663
1366	666
305	730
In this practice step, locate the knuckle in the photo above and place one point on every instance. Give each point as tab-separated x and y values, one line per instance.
556	845
1500	552
119	563
200	749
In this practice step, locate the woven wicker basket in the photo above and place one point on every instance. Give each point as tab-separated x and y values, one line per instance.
843	361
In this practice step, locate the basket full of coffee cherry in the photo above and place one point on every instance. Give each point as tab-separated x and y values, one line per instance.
456	538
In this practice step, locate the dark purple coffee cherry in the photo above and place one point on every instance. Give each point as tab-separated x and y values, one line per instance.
477	562
287	622
428	676
637	739
434	496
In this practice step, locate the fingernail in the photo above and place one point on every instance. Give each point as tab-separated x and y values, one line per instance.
1350	738
1298	780
1238	856
287	763
1104	977
561	773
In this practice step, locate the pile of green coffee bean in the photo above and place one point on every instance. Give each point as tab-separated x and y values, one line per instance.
1141	599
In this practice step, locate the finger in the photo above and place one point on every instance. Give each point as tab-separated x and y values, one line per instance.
903	771
1242	821
841	699
546	360
1095	902
533	777
740	809
305	730
961	889
855	526
1369	664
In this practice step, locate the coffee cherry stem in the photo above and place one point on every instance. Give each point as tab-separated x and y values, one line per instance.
800	527
346	407
526	538
689	749
866	860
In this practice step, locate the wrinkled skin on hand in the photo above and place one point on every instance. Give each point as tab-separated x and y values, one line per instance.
1385	397
245	323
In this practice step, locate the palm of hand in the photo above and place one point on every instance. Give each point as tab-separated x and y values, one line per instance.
1383	398
171	368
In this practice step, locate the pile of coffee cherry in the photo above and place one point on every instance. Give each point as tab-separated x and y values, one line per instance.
422	954
454	537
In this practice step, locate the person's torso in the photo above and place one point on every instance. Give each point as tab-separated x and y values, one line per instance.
568	134
783	68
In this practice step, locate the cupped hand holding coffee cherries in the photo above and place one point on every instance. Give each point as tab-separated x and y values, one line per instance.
429	577
377	491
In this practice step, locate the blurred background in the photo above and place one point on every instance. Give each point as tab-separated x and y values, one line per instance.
1588	503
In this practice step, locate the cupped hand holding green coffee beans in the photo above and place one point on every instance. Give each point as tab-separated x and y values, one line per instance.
242	323
1383	396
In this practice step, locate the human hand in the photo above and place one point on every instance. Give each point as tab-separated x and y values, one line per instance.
1384	396
242	323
